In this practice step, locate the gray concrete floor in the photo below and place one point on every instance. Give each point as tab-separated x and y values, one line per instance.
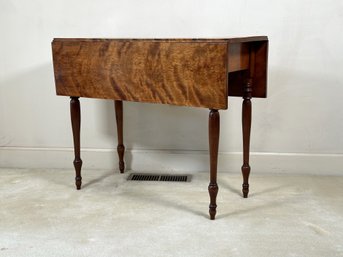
43	215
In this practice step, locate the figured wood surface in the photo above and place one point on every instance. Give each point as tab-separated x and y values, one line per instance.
187	73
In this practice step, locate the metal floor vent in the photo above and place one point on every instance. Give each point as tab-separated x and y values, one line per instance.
159	177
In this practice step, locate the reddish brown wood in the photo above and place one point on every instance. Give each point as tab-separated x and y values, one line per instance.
178	69
238	56
168	71
120	148
151	71
213	133
246	127
260	69
188	40
76	123
241	70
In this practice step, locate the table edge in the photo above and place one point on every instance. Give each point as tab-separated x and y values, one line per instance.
179	40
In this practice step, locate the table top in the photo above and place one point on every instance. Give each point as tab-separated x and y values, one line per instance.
198	72
229	40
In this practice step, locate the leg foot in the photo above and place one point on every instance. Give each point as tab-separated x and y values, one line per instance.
245	185
213	191
121	150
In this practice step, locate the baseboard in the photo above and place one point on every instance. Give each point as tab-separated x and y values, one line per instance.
172	160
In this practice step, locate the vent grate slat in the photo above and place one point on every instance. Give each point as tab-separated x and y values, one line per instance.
159	177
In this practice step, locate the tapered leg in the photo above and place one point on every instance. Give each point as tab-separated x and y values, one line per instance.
120	148
213	133
246	127
75	123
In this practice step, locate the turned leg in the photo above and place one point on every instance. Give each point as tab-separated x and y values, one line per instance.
246	126
120	148
213	133
75	123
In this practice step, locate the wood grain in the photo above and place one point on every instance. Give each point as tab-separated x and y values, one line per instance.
186	73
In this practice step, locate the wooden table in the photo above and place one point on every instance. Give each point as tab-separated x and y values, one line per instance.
184	72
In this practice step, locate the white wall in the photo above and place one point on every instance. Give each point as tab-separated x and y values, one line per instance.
302	116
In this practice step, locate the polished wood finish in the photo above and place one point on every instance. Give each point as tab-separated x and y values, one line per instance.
246	127
213	134
175	73
185	72
164	71
237	77
76	123
120	148
238	56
